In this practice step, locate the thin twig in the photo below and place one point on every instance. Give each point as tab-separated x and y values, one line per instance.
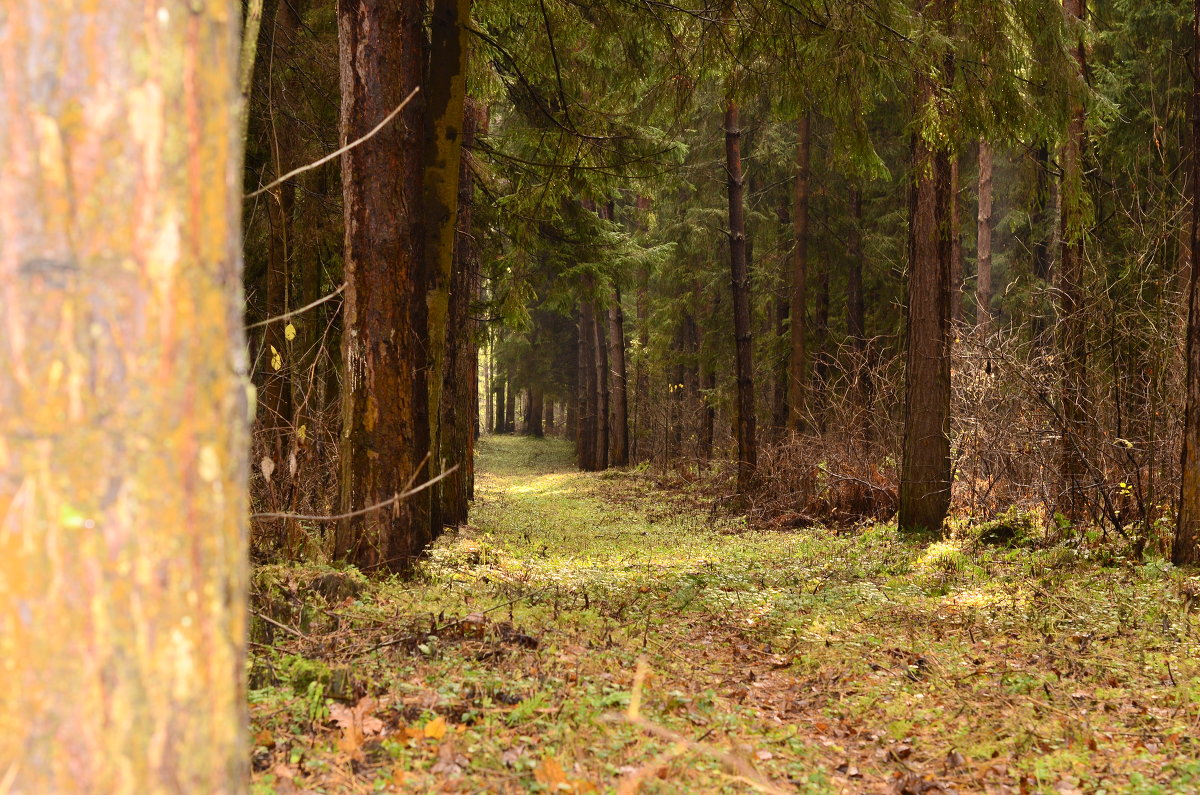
339	152
378	506
299	311
284	627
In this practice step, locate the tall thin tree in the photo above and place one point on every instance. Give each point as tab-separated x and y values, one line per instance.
740	281
1186	549
798	304
925	468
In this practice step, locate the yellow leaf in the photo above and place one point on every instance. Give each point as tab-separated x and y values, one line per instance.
289	332
276	359
436	728
301	432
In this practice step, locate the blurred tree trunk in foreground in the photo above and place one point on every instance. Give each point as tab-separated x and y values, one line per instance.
123	432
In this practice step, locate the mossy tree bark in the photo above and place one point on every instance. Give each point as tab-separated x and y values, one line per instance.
123	433
460	406
385	414
445	91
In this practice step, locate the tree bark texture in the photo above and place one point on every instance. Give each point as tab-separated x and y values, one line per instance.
798	349
1186	549
445	91
983	248
740	282
460	403
124	428
925	469
385	408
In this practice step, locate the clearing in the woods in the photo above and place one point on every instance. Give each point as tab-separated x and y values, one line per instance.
769	661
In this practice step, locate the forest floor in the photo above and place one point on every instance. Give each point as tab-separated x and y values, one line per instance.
597	633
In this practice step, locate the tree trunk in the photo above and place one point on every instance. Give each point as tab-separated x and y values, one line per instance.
1043	234
510	407
641	386
798	305
460	404
599	337
123	433
385	414
548	417
925	469
585	442
1186	549
983	259
956	255
619	454
444	90
1072	323
533	416
740	282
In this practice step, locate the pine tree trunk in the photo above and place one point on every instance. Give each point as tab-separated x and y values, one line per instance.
460	408
925	469
740	282
385	416
1043	232
548	417
510	407
533	422
619	455
956	255
123	387
444	91
1072	323
798	305
585	442
599	346
983	260
1186	550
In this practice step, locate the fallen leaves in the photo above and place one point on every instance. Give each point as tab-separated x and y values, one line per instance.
357	723
550	774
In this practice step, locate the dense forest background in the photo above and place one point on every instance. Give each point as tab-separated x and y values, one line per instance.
996	193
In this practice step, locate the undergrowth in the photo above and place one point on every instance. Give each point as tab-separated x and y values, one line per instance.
998	660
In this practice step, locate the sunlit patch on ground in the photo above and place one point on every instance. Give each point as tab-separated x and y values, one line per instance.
803	661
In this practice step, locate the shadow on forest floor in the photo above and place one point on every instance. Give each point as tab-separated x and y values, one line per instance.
777	661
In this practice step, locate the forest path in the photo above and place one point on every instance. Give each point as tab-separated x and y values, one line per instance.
799	661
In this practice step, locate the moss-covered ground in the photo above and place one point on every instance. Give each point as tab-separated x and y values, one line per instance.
804	661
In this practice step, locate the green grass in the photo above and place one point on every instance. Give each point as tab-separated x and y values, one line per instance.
827	662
